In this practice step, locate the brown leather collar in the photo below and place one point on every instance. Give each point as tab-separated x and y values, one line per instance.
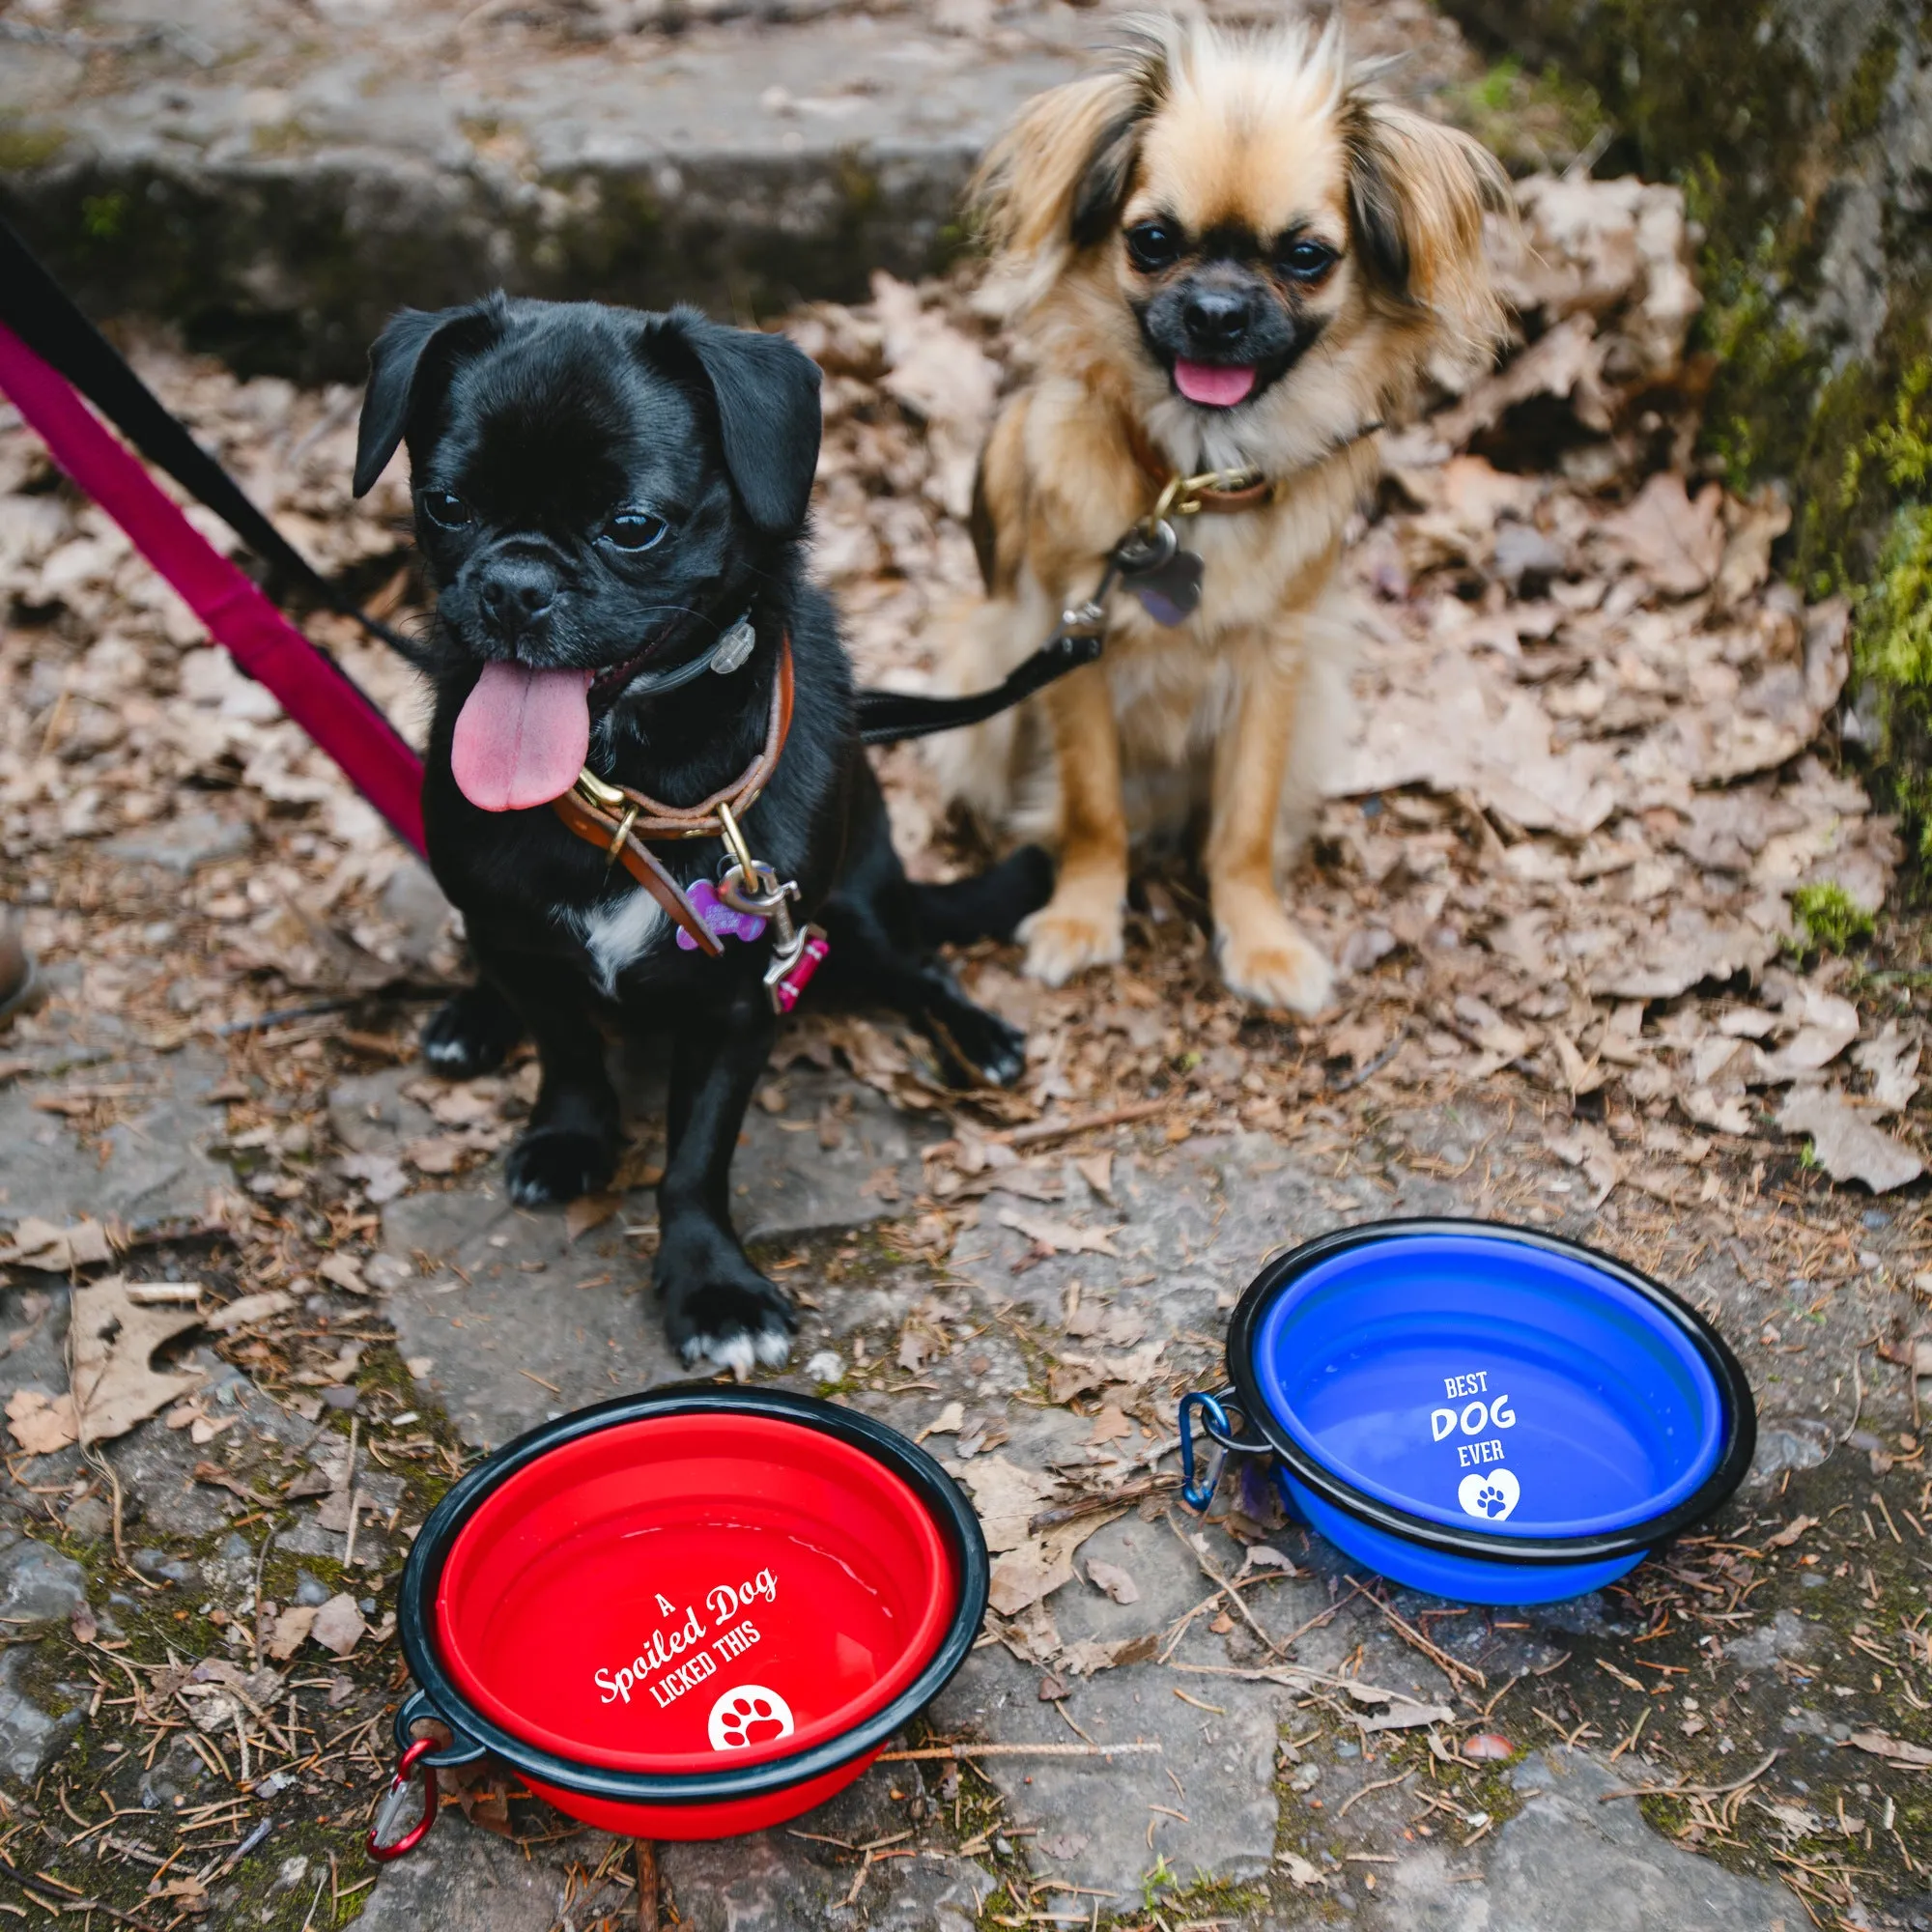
617	820
1160	473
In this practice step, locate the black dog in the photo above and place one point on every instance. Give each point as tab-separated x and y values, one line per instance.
614	506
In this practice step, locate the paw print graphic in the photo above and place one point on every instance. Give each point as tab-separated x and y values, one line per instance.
1491	1500
750	1715
750	1720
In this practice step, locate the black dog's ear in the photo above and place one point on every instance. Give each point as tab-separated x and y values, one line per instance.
394	361
766	390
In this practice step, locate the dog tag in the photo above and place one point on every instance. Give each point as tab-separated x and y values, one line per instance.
721	919
1170	592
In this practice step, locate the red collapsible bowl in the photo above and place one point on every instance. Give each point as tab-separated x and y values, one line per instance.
690	1614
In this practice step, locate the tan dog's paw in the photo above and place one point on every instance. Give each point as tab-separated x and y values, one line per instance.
1072	931
1264	959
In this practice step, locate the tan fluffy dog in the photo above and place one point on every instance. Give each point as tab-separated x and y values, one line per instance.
1222	253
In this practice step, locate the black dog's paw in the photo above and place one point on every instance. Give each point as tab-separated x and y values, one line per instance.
552	1165
722	1309
982	1048
471	1034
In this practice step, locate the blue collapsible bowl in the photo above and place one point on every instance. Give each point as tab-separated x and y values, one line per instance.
1484	1412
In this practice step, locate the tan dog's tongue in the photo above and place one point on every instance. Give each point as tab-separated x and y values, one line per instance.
522	736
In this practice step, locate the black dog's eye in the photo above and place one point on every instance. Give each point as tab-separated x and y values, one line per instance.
636	529
1307	260
1152	244
446	511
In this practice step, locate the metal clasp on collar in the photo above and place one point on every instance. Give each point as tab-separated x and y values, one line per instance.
1182	496
734	834
607	798
749	885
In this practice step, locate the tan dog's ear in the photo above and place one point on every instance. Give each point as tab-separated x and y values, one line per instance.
1054	182
1417	195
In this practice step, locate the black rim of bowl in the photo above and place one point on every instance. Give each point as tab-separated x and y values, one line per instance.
1734	1456
423	1573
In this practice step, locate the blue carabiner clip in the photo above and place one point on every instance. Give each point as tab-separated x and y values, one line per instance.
1197	1495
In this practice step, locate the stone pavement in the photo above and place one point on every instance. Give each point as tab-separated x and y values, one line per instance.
1190	1223
1247	1813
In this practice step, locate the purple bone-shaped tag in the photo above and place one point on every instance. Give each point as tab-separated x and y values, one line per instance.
723	922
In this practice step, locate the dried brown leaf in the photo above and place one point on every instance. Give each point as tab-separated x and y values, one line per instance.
1846	1144
292	1631
338	1624
1115	1581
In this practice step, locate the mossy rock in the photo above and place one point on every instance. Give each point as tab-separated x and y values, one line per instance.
1782	120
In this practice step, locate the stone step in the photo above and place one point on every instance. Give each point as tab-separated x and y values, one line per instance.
278	182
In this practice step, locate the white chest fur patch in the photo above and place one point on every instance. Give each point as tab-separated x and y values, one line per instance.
616	934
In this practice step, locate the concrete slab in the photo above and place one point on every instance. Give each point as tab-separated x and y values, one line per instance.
780	1882
460	1876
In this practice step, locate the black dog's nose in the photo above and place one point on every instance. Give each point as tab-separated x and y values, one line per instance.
517	593
1217	318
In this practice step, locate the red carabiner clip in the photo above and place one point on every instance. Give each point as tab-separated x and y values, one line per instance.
420	1831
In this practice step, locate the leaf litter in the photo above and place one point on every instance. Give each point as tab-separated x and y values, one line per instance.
1591	766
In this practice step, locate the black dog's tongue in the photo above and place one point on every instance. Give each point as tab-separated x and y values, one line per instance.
522	736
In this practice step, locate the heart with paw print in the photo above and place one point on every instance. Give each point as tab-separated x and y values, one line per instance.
1492	1495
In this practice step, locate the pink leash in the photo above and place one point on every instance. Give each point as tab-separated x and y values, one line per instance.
309	685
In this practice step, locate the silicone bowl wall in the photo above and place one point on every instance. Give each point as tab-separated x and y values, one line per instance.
1487	1412
583	1459
1462	1579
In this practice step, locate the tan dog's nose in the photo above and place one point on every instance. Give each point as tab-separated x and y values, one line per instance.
1217	319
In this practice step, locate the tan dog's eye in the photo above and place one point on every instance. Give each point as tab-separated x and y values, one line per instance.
1153	245
1305	261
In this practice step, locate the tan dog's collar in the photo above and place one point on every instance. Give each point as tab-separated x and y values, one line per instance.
1217	500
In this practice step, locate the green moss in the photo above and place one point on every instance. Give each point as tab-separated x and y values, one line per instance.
1531	120
103	215
610	234
858	184
277	138
1862	101
1725	100
22	148
1831	918
1892	652
1894	634
1759	355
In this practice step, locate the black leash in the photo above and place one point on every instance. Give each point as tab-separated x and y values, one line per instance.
886	717
45	317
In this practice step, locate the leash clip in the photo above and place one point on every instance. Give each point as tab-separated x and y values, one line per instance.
1083	620
794	960
611	803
